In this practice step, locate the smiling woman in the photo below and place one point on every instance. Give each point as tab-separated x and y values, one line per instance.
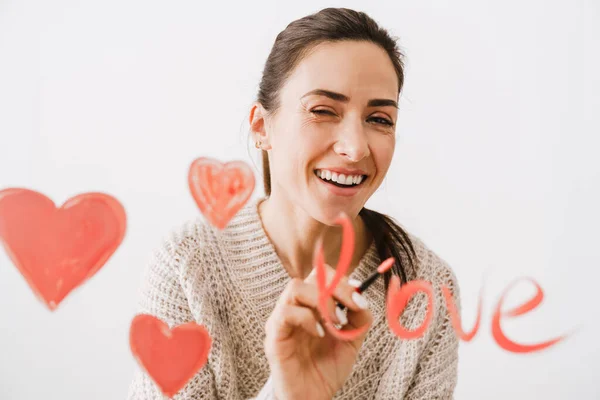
324	121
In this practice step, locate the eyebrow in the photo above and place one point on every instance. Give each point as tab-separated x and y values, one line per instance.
344	99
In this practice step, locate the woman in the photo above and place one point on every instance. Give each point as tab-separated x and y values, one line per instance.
324	121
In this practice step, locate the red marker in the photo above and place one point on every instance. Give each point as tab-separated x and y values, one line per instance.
386	265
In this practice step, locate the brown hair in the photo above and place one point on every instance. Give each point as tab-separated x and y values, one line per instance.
291	45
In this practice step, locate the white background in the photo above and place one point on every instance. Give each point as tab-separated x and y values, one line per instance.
494	169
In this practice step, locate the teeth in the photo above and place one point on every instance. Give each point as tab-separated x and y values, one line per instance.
340	178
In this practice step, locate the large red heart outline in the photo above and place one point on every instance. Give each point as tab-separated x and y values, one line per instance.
220	190
58	249
171	357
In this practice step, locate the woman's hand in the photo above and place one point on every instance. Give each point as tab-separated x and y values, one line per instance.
303	364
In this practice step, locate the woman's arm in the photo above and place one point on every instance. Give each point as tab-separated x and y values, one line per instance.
162	296
436	373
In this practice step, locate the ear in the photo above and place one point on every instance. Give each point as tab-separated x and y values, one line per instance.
258	126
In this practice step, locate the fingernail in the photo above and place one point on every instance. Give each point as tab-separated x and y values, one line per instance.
341	316
320	330
360	300
354	282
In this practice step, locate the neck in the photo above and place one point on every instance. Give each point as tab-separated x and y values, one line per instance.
294	234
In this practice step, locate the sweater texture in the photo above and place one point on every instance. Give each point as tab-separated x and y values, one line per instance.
230	280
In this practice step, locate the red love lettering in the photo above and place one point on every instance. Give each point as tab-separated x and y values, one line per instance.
58	249
171	357
220	190
397	299
499	335
456	320
326	291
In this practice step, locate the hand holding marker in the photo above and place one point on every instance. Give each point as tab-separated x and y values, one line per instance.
340	309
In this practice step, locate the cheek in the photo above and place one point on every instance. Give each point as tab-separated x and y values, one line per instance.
382	151
305	146
291	154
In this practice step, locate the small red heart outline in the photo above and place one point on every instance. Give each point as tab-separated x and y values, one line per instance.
220	189
58	249
170	356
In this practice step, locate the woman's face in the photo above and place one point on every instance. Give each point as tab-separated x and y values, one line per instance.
350	132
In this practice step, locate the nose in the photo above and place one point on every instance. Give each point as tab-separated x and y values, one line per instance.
352	142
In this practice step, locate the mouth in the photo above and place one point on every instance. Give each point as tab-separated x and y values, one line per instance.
352	183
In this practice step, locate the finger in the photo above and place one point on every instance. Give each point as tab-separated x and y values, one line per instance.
291	317
344	292
306	294
357	319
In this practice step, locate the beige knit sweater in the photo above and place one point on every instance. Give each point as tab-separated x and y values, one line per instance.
230	280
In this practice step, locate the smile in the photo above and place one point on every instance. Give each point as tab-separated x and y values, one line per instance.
350	183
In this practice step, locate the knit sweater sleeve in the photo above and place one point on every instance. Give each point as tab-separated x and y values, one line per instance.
436	373
162	296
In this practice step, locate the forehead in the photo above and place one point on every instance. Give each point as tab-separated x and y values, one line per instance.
356	69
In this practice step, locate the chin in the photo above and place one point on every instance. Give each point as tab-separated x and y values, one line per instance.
329	216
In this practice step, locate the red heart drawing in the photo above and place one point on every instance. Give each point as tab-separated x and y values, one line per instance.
220	190
171	357
58	249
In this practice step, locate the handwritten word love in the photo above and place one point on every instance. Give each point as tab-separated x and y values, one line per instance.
398	297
